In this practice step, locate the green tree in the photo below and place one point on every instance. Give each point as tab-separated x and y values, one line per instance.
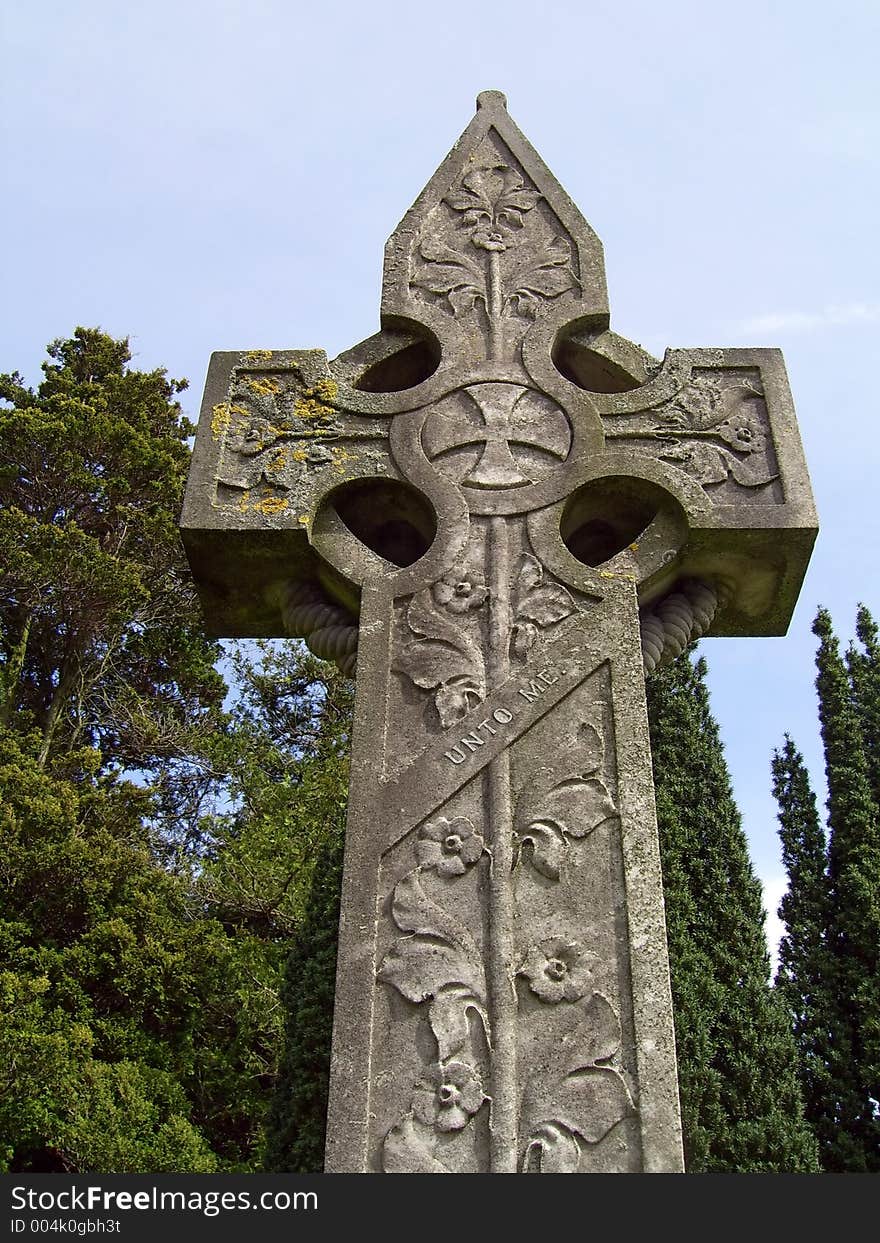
863	666
805	978
101	643
741	1104
833	994
100	972
271	876
296	1122
134	1028
297	712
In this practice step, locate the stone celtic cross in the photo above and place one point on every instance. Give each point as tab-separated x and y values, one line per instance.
500	513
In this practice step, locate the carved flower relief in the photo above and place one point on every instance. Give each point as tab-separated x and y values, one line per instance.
488	238
558	969
459	591
492	206
257	436
448	1096
449	847
493	202
742	432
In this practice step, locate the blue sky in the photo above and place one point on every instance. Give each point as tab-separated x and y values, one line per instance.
205	176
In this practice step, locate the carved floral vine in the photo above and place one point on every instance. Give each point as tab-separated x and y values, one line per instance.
538	605
443	657
710	432
553	809
580	1104
586	1100
513	269
436	961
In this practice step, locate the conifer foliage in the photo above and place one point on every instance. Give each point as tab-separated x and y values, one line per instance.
830	957
141	929
101	635
741	1104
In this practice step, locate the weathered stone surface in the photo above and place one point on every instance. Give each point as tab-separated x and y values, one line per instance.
473	506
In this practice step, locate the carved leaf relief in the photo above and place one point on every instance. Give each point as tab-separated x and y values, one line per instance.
585	1102
487	243
553	809
552	1149
414	912
407	1150
419	968
443	658
538	605
727	412
534	279
451	273
448	1016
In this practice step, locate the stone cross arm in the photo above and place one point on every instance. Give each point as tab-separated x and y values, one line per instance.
498	513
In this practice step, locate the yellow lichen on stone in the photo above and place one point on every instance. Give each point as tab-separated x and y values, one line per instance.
303	519
253	358
278	461
300	455
221	416
314	403
326	389
264	386
244	503
341	459
270	504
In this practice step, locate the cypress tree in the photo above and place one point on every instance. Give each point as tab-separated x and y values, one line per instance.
864	673
804	981
741	1103
854	920
297	1119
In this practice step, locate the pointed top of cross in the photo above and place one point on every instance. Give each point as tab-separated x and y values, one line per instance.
492	246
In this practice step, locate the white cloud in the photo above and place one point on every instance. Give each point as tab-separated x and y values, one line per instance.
832	316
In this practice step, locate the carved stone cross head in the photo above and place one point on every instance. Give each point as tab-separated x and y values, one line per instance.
498	511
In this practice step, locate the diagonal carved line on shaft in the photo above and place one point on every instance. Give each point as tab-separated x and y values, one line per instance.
575	655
